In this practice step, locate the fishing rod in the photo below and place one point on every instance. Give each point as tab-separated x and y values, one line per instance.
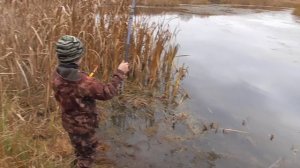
129	32
132	13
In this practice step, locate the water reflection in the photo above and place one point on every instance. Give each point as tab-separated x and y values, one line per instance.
246	68
243	75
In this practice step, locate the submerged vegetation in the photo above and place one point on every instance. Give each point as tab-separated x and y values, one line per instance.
31	133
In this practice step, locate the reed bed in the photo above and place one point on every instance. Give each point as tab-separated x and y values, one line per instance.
30	131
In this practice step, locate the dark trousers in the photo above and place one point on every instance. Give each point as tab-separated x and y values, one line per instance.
85	146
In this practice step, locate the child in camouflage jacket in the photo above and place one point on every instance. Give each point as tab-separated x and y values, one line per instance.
76	93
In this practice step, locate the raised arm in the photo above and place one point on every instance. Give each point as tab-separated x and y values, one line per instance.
101	91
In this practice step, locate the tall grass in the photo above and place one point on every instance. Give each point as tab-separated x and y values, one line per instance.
29	32
30	131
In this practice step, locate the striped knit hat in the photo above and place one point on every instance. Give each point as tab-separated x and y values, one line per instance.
69	49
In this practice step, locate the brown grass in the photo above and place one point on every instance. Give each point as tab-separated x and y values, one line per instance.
30	130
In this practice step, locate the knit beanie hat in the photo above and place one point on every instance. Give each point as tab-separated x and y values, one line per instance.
69	49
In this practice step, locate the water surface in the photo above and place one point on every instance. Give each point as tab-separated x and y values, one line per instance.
244	74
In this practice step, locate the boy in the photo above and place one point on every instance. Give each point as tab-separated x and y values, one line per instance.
76	94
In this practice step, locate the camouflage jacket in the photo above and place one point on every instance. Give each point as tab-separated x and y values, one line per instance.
77	96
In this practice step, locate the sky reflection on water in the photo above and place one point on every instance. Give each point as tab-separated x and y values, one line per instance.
244	74
246	67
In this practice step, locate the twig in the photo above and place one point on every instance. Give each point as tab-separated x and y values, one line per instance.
7	73
37	35
233	130
20	117
182	55
276	164
209	110
23	73
5	56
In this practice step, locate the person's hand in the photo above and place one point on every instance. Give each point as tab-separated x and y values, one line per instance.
124	66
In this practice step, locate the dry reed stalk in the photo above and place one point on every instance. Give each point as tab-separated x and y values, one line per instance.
23	73
1	95
180	74
296	10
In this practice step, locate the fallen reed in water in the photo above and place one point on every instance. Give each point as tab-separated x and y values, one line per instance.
30	131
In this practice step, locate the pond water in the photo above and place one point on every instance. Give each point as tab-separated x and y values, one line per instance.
244	75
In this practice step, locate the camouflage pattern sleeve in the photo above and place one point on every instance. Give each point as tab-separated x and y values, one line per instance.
101	91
